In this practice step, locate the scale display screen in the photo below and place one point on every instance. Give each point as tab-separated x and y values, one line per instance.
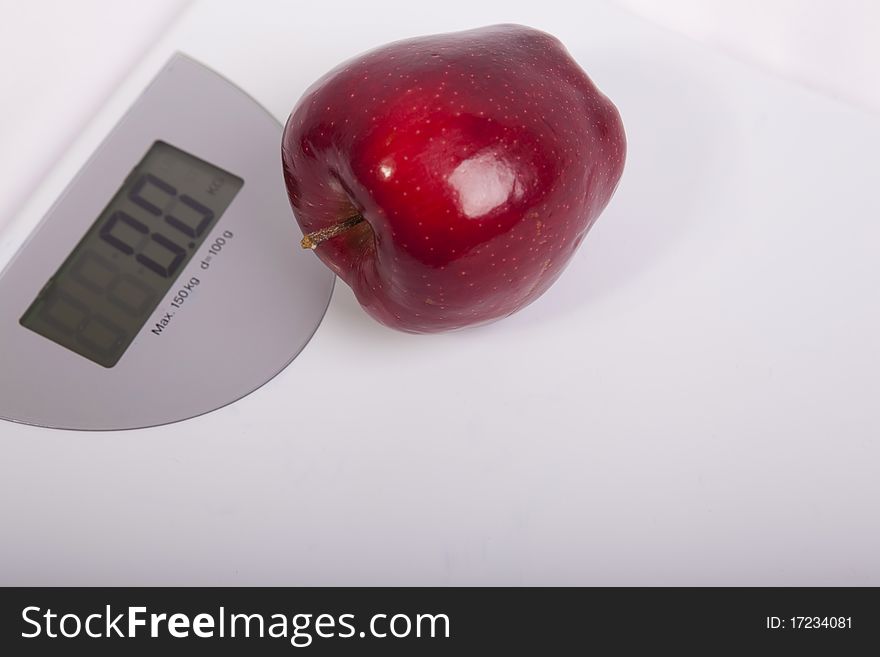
104	292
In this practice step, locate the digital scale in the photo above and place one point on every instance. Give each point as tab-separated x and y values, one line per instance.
174	242
693	402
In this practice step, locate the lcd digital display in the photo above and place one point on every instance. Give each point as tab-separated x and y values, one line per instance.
107	288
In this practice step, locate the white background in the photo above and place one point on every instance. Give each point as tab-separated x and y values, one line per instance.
694	402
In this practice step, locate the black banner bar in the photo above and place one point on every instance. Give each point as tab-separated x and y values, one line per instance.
435	621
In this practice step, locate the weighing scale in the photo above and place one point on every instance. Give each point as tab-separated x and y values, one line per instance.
693	402
165	282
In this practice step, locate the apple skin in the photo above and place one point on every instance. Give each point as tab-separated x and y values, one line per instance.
478	160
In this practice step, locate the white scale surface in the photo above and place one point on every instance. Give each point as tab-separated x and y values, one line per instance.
694	402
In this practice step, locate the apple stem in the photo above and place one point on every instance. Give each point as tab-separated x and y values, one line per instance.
313	239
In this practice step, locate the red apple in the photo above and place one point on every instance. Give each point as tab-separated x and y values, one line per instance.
449	179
